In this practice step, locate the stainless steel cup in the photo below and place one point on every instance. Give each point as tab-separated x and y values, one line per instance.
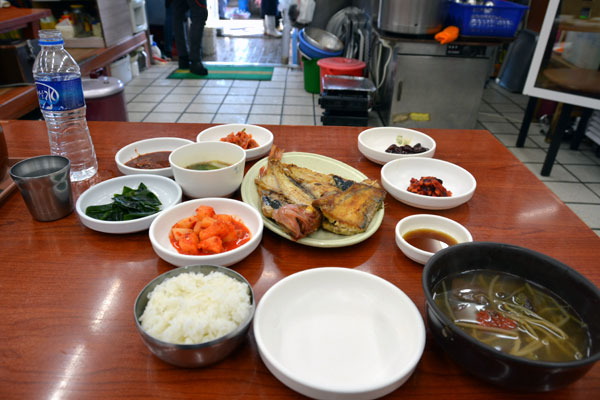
45	184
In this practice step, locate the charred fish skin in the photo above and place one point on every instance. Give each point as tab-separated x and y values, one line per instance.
350	212
341	183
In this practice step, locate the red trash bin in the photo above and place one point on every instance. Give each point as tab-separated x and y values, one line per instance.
340	66
105	99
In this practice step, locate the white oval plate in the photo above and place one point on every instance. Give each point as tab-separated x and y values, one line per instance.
168	192
396	175
319	163
339	333
145	146
373	142
263	137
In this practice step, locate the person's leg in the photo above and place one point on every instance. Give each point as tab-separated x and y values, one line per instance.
198	14
168	29
268	9
179	23
222	8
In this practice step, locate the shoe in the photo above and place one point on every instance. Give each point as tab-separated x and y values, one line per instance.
184	63
198	69
269	24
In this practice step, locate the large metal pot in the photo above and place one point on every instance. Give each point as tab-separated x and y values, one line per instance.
415	17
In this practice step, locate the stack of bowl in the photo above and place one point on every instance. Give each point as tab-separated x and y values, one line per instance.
315	44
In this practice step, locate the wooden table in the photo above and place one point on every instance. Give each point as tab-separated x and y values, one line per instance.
67	292
27	19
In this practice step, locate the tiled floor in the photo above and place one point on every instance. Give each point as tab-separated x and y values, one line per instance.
151	97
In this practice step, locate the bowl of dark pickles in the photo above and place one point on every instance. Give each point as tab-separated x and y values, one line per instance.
512	316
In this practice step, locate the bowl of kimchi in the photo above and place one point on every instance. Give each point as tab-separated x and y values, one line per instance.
254	139
217	231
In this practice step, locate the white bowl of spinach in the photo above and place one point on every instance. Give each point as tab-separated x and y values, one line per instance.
127	204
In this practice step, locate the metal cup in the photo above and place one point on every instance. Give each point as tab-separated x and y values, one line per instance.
45	184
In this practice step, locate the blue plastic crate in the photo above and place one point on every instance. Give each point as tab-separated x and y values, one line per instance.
501	19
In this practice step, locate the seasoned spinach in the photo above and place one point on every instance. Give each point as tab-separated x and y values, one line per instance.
131	204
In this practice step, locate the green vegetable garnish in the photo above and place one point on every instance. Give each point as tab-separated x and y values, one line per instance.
131	204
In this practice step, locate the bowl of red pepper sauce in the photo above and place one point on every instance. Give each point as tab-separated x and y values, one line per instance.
512	316
148	156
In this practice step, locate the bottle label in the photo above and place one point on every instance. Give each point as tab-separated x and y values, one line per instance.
60	95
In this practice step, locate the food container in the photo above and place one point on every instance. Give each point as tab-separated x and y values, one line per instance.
105	99
500	19
413	17
340	66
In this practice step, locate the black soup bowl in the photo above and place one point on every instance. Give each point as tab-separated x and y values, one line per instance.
485	361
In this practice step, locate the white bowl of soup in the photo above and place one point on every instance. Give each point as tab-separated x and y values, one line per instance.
208	169
512	316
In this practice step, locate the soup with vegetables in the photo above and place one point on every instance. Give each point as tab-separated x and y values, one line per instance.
208	165
513	315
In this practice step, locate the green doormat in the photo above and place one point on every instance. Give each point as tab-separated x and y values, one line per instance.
240	72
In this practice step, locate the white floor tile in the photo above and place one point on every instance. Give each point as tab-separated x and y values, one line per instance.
568	156
272	84
573	192
526	154
511	140
558	173
266	109
585	173
192	82
136	116
148	98
247	91
500	127
179	98
133	89
234	108
224	83
157	90
270	119
268	99
230	119
202	108
595	187
298	110
245	84
232	99
214	90
139	106
589	213
166	82
298	101
209	98
506	107
162	117
297	120
170	107
197	118
138	81
270	92
186	90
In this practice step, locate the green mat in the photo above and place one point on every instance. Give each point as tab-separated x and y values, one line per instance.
240	72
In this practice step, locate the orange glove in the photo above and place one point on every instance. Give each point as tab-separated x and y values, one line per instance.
448	35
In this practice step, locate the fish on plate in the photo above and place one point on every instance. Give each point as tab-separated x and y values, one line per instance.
301	200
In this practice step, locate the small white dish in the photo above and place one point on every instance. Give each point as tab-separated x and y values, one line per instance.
396	176
222	182
168	192
339	333
428	221
263	137
146	146
161	226
373	142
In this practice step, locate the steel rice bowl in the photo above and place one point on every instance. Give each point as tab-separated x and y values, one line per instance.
193	355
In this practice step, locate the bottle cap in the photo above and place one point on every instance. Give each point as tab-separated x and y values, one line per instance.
50	37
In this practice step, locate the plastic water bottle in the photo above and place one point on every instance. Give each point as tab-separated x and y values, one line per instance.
58	81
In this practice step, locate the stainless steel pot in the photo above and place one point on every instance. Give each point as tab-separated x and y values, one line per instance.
415	17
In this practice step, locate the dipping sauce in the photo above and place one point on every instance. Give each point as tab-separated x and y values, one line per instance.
157	159
208	165
429	240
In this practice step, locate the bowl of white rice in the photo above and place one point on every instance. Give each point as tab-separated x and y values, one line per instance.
196	315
